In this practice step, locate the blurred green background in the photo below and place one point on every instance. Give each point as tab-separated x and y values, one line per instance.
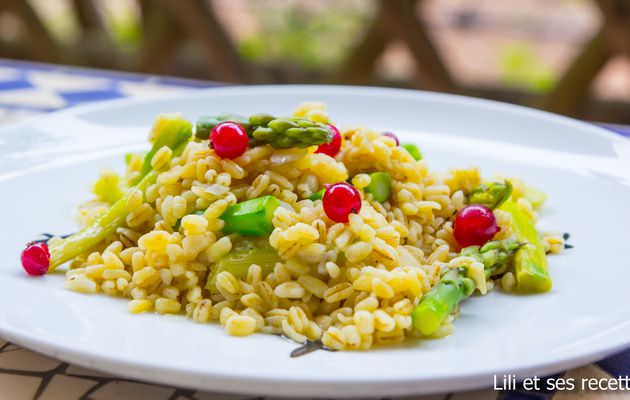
567	56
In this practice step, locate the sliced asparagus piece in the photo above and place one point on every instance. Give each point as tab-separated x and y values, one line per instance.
491	195
441	301
169	130
281	133
251	217
530	261
455	285
109	187
204	124
174	132
535	196
494	255
317	195
413	151
238	261
99	230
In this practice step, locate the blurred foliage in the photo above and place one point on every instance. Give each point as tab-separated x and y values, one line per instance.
521	67
312	35
125	29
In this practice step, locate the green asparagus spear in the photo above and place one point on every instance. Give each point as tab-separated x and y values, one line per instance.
261	119
281	133
204	124
170	131
238	261
413	151
109	187
530	261
99	230
455	285
130	156
173	132
494	255
317	195
491	195
441	301
535	196
251	217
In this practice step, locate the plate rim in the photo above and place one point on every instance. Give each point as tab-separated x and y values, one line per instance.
187	92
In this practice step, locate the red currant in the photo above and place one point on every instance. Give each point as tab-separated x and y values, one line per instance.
340	200
331	148
475	224
36	258
391	135
229	140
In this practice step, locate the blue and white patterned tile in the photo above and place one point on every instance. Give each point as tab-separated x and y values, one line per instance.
43	88
67	82
31	98
10	74
148	88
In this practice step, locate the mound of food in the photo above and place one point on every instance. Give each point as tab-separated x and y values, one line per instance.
290	226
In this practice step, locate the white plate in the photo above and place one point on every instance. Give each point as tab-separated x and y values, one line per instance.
46	165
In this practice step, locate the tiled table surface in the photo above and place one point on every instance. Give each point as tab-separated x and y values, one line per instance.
31	89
